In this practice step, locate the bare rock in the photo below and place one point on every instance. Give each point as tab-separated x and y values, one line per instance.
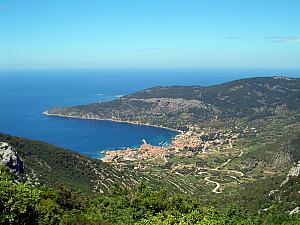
10	158
294	172
295	211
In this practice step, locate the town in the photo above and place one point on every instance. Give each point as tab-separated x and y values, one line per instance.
190	142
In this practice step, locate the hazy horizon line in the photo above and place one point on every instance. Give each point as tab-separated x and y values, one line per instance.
147	67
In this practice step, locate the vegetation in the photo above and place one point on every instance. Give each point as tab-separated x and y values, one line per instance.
49	164
21	203
55	166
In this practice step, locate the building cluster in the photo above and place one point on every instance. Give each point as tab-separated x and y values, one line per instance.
131	154
194	140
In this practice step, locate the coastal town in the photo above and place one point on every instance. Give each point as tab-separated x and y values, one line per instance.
191	142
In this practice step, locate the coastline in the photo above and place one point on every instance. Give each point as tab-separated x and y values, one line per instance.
46	113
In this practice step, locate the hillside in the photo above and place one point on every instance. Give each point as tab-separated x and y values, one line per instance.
45	163
20	203
265	201
181	106
49	164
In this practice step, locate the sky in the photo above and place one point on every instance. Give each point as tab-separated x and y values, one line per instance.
149	33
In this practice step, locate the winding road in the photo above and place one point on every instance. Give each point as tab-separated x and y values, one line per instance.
216	189
218	168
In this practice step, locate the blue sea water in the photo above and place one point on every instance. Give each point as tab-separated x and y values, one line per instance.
25	94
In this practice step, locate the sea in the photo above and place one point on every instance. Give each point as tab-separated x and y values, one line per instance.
26	93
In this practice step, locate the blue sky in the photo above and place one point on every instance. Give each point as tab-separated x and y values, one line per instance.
149	33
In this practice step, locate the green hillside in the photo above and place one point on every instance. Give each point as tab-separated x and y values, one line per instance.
49	164
21	203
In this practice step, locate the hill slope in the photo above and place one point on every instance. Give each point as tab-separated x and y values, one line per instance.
180	106
46	163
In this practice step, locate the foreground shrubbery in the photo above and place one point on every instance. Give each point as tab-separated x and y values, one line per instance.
23	204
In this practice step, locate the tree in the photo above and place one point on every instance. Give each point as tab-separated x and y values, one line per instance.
18	201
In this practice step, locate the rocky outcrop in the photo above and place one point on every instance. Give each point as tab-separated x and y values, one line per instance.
295	211
294	172
10	158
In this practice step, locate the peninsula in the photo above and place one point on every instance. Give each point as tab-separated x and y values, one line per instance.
178	107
